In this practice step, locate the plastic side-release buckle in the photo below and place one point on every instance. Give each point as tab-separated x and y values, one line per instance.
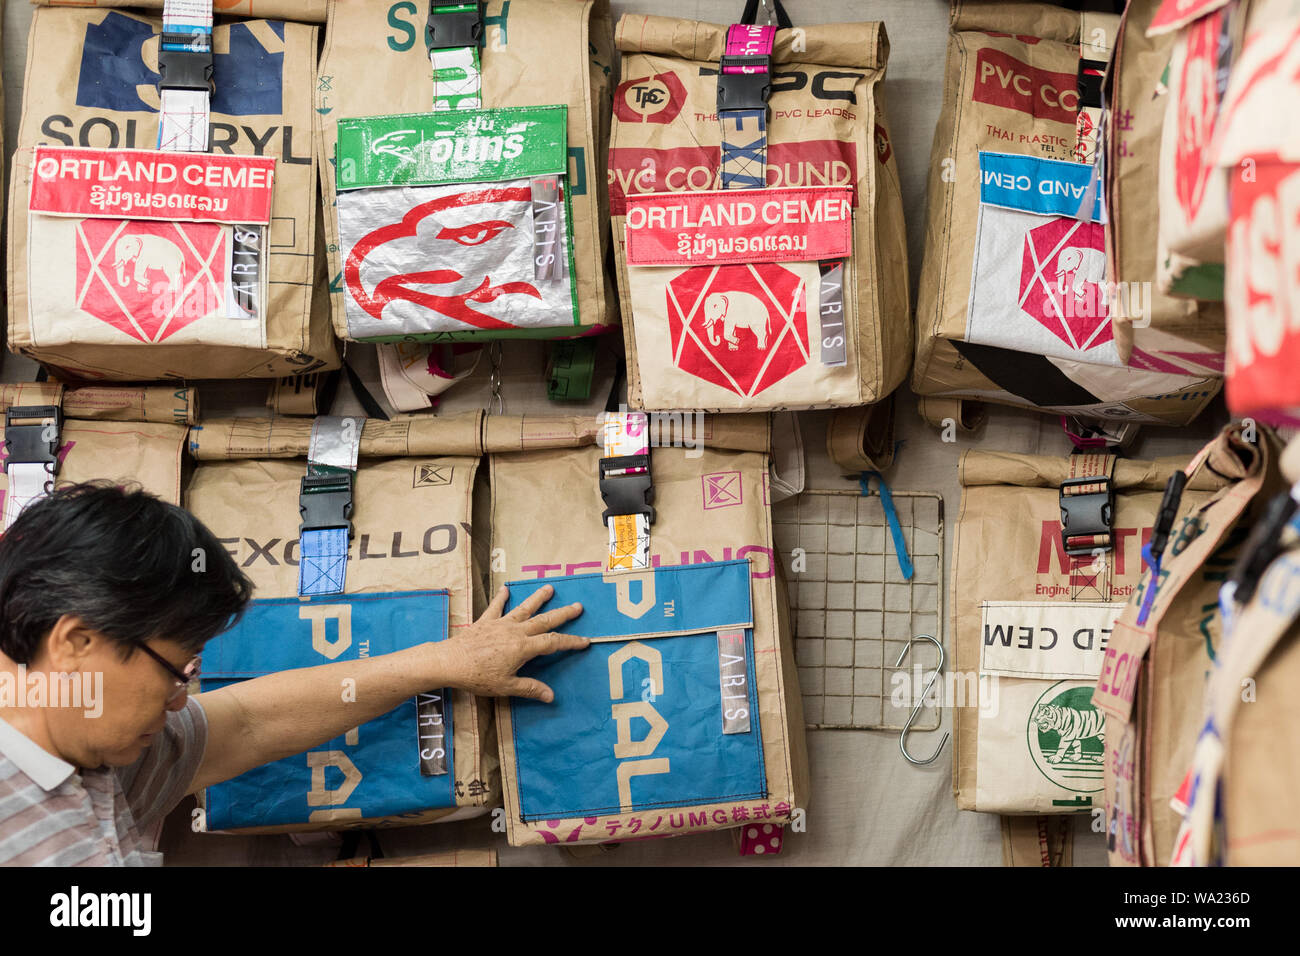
452	29
187	69
627	494
326	502
27	436
748	90
1087	516
1164	523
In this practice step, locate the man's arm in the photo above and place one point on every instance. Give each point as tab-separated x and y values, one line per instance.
268	718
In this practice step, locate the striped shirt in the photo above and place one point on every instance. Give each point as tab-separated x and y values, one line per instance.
51	814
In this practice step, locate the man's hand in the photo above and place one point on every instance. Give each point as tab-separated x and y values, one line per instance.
484	657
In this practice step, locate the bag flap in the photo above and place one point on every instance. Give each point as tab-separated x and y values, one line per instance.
1045	471
640	724
1045	21
863	45
450	436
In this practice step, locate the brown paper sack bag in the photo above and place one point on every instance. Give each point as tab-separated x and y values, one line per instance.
310	11
711	505
1014	304
535	53
1153	331
1153	679
1193	198
92	82
412	522
144	450
1031	622
770	348
1243	776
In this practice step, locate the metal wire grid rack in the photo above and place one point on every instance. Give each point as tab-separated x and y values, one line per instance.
853	611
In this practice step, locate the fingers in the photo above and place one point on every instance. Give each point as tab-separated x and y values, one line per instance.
554	643
553	618
529	688
498	605
530	605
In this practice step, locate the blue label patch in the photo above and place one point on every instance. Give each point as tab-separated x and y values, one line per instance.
1048	187
249	78
372	771
638	724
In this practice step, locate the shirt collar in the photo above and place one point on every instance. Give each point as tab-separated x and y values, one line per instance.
45	769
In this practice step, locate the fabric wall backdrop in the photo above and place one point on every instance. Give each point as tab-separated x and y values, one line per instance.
868	806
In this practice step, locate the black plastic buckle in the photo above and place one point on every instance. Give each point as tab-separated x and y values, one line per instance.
744	91
449	30
1261	547
187	69
627	494
27	444
1167	513
325	502
1086	515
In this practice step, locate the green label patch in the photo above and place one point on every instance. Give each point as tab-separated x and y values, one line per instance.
462	146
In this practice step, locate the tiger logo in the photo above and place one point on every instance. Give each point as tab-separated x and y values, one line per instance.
1072	725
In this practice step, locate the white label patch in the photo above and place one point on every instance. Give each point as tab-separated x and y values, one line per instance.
1045	640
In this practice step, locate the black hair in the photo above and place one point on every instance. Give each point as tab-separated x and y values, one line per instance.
130	565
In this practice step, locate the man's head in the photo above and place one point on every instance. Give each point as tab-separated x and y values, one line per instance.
92	579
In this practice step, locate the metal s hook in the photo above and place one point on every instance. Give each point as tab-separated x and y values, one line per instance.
902	737
769	10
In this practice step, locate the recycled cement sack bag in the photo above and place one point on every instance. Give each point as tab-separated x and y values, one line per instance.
1237	799
1153	331
767	284
1258	148
134	439
1153	679
128	262
410	577
1193	199
684	715
482	216
1032	616
310	11
1014	304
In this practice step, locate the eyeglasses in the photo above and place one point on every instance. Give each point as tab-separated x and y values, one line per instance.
182	678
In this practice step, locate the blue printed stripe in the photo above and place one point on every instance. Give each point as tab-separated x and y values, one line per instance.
1048	187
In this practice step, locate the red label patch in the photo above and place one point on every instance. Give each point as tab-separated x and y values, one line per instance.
740	226
150	279
1002	80
741	327
148	184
